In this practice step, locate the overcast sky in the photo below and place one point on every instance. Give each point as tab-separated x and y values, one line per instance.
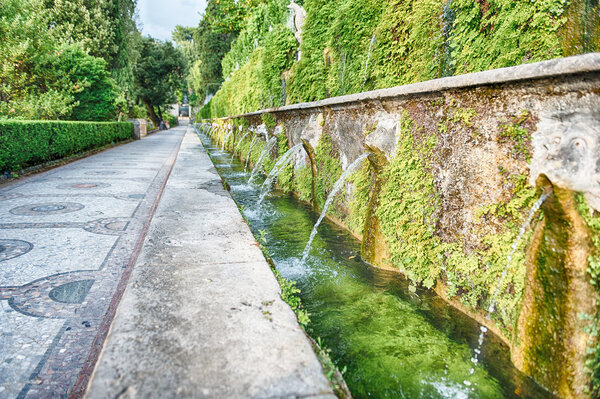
159	17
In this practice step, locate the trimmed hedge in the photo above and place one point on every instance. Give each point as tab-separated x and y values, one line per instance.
28	143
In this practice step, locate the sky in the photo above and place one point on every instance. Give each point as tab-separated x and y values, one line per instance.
159	17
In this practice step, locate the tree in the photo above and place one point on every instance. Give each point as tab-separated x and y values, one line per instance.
103	28
48	67
85	77
158	74
183	37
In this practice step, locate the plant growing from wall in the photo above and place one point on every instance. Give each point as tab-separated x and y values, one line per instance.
500	33
362	181
302	183
592	219
329	170
407	209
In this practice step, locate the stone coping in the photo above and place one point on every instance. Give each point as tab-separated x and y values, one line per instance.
575	65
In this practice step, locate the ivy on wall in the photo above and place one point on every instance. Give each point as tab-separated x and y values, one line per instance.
350	46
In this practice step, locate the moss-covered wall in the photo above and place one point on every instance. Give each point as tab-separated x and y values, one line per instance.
349	46
443	198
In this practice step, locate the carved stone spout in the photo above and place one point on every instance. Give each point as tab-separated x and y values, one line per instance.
567	151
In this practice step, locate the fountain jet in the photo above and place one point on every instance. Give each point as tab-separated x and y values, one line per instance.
337	186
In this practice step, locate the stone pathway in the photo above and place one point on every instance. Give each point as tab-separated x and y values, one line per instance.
68	240
202	316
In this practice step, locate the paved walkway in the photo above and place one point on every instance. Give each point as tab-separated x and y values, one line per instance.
68	240
201	316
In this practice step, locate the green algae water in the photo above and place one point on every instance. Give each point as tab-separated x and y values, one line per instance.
391	340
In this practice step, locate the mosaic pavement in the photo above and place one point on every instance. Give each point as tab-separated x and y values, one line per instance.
68	240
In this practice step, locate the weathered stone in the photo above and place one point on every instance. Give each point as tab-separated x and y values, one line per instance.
192	322
384	137
474	135
566	149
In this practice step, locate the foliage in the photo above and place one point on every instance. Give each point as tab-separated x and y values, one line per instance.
407	209
184	39
158	74
302	183
412	42
286	175
359	203
501	33
289	294
94	92
257	84
102	28
407	212
241	93
308	75
355	45
27	143
280	44
518	135
329	170
211	44
263	18
173	121
43	78
592	219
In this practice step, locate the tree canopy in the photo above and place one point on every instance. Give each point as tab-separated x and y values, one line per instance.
66	59
159	73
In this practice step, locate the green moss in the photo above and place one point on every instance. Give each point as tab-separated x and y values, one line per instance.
268	120
464	116
518	135
302	183
407	209
592	220
362	180
285	177
407	213
329	170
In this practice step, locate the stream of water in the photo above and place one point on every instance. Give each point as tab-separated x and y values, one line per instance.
392	341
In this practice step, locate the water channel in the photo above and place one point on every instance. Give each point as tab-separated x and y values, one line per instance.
392	341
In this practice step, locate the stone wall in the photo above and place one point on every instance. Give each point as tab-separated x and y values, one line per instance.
455	167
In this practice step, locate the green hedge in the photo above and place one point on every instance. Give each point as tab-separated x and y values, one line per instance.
28	143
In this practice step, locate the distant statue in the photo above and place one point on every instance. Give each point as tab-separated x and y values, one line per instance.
297	18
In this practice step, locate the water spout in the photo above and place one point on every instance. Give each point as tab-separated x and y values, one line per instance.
263	155
373	41
279	165
237	147
249	152
226	138
513	250
337	186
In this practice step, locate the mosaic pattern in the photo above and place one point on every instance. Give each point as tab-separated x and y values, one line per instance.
40	298
119	164
105	172
10	249
107	226
73	292
9	196
49	208
83	186
52	327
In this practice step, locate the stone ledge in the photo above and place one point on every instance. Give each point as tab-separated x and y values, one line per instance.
575	65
